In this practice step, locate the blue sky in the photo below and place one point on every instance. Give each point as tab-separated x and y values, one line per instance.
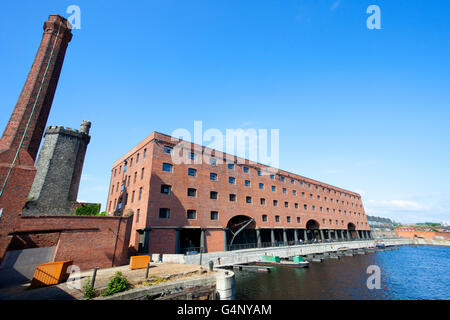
366	110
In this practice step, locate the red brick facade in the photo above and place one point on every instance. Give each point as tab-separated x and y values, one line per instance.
333	208
88	241
21	139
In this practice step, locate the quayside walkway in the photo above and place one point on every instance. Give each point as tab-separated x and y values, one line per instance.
229	258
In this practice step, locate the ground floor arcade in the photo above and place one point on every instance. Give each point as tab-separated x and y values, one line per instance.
190	240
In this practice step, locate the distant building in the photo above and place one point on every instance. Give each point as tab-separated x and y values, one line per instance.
381	227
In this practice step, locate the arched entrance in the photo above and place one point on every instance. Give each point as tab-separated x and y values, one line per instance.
241	232
351	229
312	230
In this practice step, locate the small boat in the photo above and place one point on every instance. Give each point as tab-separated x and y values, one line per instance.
276	261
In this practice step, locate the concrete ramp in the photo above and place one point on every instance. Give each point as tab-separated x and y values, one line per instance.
18	266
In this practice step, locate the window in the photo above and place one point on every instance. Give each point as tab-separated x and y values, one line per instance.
310	196
213	176
213	161
313	208
298	219
261	186
282	179
191	214
264	217
232	180
286	204
284	190
214	215
142	174
274	188
318	197
245	170
132	197
191	192
263	201
232	197
272	176
164	213
125	168
168	150
292	181
277	218
305	206
165	188
145	153
135	177
231	166
294	192
275	203
259	173
296	205
192	172
303	194
167	167
248	199
138	212
288	219
129	180
247	183
115	171
140	193
137	158
213	195
192	156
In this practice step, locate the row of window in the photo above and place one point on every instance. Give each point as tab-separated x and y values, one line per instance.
191	192
231	166
131	163
232	180
164	213
127	182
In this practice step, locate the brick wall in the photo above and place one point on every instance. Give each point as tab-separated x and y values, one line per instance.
410	233
88	241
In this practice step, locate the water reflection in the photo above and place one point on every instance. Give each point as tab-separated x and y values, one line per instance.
407	273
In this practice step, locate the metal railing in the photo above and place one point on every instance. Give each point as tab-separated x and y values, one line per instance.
243	246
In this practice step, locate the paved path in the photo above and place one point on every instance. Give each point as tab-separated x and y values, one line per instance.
64	292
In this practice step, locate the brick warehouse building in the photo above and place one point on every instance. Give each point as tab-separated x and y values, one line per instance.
185	207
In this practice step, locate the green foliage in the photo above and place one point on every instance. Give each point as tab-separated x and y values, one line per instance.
116	284
154	280
88	289
89	209
102	214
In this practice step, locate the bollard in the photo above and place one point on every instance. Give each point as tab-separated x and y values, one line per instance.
211	265
148	268
93	277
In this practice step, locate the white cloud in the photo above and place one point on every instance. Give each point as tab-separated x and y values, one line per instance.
335	5
399	205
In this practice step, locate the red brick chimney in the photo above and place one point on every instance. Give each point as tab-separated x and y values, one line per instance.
21	139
